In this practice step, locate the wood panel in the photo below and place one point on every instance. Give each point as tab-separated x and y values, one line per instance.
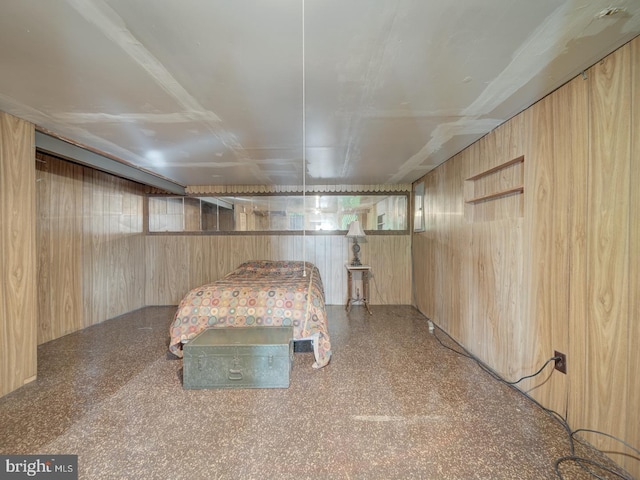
18	310
90	247
512	144
632	434
578	105
167	261
43	246
178	263
565	275
475	323
464	240
390	279
59	207
546	213
495	263
437	201
483	276
91	234
447	193
126	247
608	249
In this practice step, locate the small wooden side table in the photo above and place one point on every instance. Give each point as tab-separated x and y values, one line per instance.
364	270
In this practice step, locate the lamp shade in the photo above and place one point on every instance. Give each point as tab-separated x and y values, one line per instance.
354	230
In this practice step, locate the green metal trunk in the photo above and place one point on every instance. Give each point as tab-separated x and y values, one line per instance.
239	357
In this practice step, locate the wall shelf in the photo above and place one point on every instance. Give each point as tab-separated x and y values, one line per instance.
494	195
492	189
497	168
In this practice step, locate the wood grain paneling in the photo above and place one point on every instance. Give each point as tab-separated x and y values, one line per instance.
578	175
167	260
608	247
564	276
474	333
43	246
390	278
90	247
545	219
58	206
18	310
494	266
632	434
92	232
178	263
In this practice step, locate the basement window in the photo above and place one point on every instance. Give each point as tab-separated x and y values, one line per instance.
282	214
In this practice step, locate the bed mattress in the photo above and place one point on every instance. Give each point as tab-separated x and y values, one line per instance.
258	293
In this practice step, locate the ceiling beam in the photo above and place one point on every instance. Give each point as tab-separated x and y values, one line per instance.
60	148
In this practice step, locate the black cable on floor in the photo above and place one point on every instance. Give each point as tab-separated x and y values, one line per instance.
559	418
491	372
582	460
607	435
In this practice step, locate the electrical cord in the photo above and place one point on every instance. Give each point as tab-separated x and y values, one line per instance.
552	359
573	457
581	461
606	435
491	372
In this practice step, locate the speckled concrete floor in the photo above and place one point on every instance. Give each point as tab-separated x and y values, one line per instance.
392	404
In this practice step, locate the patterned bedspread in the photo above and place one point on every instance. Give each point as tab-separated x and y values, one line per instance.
259	293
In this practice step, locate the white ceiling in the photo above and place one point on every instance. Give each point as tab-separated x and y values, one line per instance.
210	91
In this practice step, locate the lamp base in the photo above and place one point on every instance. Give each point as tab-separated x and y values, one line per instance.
356	254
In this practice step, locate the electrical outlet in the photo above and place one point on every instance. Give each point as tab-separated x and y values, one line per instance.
561	362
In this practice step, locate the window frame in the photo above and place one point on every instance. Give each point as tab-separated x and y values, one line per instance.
405	231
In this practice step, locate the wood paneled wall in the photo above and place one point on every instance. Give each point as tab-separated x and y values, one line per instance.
609	223
94	262
178	263
90	247
564	275
633	348
17	259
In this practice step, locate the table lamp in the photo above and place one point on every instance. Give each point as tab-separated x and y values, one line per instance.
355	232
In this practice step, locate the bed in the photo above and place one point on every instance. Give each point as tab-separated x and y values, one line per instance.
258	293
